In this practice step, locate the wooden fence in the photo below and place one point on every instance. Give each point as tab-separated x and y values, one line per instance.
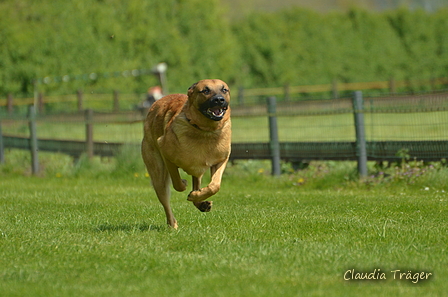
242	95
360	150
79	101
391	86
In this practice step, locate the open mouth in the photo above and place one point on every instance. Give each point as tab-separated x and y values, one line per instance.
215	108
216	112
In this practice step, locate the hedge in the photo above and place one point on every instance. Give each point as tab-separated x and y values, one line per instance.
197	40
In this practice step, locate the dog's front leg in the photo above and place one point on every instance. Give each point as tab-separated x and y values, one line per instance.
196	181
216	173
204	206
198	195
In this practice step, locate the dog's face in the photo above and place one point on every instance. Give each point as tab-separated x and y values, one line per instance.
211	97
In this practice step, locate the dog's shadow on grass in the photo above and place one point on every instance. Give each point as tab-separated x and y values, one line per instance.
131	228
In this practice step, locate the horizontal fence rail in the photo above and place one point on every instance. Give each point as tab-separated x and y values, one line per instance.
116	101
339	151
391	85
289	151
73	148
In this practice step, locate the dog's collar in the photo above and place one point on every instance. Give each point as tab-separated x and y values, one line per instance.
194	125
199	128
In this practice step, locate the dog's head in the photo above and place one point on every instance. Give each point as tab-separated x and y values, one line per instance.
211	97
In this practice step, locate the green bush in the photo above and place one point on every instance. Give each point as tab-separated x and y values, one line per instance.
196	40
301	47
45	38
129	161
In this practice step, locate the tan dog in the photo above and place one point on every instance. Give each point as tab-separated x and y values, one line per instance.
192	133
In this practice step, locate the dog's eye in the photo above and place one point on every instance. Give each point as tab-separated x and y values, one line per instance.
205	91
224	90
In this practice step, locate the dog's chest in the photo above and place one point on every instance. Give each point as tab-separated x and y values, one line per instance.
200	153
195	151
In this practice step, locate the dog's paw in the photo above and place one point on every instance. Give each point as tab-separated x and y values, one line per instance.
204	206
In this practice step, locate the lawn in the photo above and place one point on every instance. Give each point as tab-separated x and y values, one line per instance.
104	235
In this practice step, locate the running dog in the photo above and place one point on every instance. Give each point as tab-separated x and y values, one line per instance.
191	132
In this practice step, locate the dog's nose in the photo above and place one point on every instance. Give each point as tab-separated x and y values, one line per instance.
218	100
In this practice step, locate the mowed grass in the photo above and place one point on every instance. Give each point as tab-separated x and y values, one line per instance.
106	236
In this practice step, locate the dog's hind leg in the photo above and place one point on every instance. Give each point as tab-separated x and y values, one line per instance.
160	180
161	185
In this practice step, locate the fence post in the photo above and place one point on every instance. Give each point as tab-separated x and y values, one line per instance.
273	136
40	103
79	97
9	103
116	101
334	89
2	151
33	140
287	92
392	86
241	96
361	150
89	132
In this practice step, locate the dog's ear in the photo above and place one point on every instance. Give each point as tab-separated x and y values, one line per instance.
191	89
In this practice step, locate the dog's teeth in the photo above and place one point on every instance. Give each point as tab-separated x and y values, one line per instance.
216	112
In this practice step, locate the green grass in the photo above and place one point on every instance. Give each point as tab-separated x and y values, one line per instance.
97	233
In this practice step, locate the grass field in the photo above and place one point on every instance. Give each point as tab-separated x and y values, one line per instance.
97	232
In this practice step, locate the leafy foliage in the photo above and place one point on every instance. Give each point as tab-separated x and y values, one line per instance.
42	38
196	40
303	47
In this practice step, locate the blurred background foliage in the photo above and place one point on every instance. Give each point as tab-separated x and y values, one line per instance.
213	39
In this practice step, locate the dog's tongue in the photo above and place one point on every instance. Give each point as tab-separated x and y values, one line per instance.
216	111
